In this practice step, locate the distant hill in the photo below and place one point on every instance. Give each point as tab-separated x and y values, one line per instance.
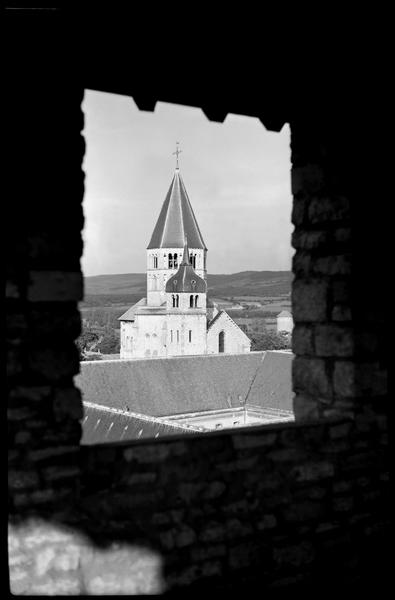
245	283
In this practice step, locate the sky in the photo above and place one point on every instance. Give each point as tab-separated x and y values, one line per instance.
236	173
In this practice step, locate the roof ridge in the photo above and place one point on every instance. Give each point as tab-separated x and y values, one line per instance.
254	377
132	414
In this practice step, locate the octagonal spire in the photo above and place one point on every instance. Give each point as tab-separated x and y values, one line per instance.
176	220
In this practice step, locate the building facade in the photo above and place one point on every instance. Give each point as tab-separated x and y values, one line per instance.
176	318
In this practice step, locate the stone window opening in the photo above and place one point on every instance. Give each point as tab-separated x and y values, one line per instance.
190	335
190	301
196	301
170	261
175	261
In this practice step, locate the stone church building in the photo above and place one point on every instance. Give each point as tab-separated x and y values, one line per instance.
176	318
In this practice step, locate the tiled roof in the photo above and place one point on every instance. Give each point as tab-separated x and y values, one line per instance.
129	315
169	386
176	220
272	385
101	424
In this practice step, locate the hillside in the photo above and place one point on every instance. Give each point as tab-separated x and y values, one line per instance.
130	287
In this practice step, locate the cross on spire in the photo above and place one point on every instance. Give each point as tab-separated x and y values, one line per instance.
177	152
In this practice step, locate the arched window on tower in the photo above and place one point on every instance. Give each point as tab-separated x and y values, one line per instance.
175	261
174	300
170	261
177	300
196	301
190	301
221	341
155	262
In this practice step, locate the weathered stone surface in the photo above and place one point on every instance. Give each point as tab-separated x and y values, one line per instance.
310	240
147	453
295	555
122	570
310	374
185	537
303	340
305	407
67	403
341	313
241	441
21	480
267	522
307	180
309	299
334	340
335	208
55	286
313	471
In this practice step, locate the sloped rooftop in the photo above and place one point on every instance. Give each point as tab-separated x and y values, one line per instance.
101	424
176	220
169	386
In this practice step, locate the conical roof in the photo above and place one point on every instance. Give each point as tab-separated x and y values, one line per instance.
186	280
176	220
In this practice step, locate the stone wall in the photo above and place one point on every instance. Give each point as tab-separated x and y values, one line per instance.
339	334
291	505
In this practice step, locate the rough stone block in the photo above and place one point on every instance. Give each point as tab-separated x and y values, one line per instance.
299	211
341	291
267	522
55	286
307	180
147	453
185	537
332	265
334	340
21	480
359	379
324	209
310	240
67	403
341	313
309	300
12	290
305	407
249	440
203	553
339	431
343	503
313	471
53	364
302	340
119	570
310	375
295	555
